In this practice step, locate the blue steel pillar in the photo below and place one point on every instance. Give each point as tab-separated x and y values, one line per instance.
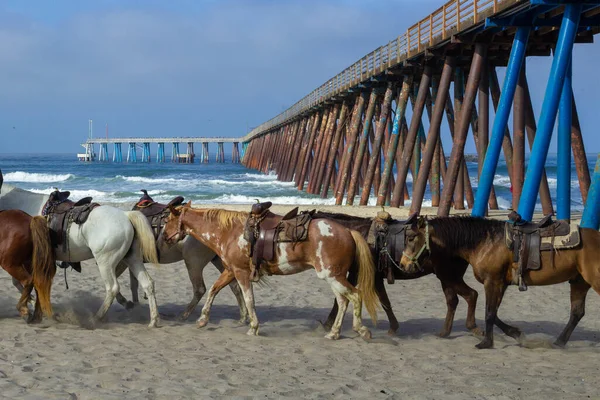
146	153
175	153
132	153
517	55
160	154
117	153
539	151
563	172
591	212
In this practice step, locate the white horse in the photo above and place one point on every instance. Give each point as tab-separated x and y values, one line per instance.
115	238
195	256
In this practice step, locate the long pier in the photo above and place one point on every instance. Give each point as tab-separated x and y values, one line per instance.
351	137
176	155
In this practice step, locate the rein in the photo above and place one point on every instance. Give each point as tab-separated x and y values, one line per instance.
179	225
426	246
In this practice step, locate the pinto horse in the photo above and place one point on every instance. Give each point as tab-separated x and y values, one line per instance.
26	254
451	279
481	243
330	249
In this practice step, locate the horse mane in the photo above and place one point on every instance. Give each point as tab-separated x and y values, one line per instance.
360	224
466	232
225	218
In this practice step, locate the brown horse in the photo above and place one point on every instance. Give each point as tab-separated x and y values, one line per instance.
27	255
330	249
451	279
481	243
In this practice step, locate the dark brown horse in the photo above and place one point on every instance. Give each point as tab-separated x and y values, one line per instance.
330	249
481	243
27	255
451	279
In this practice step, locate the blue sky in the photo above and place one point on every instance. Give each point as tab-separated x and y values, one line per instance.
188	68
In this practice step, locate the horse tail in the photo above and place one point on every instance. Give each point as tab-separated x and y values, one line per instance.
366	275
43	262
143	231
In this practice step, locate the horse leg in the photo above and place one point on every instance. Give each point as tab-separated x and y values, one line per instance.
37	311
133	282
19	287
223	280
136	266
348	291
194	270
451	303
107	272
342	305
579	290
352	278
235	288
24	300
494	290
470	295
128	305
243	278
385	303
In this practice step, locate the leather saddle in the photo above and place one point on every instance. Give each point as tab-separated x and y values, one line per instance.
390	241
263	230
156	213
60	212
525	240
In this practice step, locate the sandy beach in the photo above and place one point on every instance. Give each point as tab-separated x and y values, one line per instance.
122	358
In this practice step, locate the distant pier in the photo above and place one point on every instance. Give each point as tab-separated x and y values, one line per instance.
143	143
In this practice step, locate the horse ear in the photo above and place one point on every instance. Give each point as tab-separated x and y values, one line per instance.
421	222
174	211
188	204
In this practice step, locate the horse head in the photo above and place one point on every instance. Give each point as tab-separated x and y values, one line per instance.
173	231
417	247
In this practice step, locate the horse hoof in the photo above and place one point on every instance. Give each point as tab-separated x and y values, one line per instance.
444	334
485	344
183	317
153	324
252	332
391	332
129	305
243	321
477	331
365	333
332	336
558	345
202	323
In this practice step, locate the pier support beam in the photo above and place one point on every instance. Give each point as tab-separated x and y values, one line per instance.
132	153
160	153
146	153
563	171
220	153
235	153
591	213
117	153
175	153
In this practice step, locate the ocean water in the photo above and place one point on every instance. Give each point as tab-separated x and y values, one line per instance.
202	183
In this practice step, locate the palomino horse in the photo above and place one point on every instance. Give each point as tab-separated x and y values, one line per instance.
330	249
195	256
114	238
451	279
481	242
26	254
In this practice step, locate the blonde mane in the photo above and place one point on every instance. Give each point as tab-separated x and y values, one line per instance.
225	218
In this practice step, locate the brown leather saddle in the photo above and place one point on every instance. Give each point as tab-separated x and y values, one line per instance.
525	240
390	241
61	212
263	230
156	213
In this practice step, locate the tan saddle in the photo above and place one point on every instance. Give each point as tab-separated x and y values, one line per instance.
61	212
525	240
156	213
389	242
263	230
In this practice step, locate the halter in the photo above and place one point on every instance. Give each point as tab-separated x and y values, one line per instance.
426	246
179	226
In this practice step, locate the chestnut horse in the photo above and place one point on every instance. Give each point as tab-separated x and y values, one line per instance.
330	249
481	243
451	279
27	255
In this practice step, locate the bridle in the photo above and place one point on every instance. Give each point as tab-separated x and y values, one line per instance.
426	247
179	226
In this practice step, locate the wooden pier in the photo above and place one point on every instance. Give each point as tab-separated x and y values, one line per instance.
350	138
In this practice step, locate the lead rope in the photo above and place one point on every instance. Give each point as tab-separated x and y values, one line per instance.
66	283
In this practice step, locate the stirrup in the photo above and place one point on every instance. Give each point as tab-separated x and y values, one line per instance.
522	285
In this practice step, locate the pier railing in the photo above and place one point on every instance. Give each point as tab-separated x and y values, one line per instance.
453	17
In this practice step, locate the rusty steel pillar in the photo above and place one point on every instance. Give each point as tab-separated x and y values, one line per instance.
461	134
306	149
286	153
518	139
327	148
483	126
296	150
376	148
320	139
311	145
433	139
346	166
579	156
531	128
360	151
459	92
392	150
335	143
411	138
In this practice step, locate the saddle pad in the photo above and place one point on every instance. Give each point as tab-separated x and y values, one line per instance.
563	242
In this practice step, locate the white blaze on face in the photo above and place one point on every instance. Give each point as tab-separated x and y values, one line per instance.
324	228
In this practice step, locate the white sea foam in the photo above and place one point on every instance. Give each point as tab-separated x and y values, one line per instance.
241	199
152	180
34	177
255	183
